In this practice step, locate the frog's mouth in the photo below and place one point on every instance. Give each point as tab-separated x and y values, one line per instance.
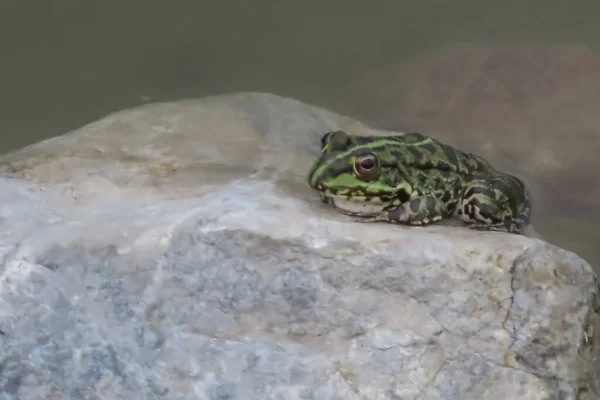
355	205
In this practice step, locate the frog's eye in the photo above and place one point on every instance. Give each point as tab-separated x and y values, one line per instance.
366	166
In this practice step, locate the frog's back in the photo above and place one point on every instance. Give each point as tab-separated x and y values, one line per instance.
420	151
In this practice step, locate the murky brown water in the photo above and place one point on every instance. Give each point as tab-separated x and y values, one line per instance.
67	63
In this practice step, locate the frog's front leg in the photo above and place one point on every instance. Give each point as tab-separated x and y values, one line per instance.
495	203
419	210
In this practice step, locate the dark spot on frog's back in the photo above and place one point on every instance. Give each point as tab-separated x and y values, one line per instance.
450	155
398	155
430	148
414	152
444	166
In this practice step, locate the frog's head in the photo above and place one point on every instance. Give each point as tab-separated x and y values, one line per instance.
358	173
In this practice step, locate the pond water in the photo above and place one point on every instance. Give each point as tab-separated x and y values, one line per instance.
514	81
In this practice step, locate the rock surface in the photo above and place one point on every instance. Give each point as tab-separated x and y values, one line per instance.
173	251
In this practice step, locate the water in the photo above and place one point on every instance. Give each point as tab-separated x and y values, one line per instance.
67	63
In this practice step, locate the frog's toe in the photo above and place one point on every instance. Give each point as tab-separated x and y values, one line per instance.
506	227
371	217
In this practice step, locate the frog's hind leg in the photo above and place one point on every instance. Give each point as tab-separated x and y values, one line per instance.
495	203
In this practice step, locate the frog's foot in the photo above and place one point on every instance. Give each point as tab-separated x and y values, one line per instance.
509	226
488	227
380	216
383	217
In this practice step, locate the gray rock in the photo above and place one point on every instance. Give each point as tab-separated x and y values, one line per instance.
173	251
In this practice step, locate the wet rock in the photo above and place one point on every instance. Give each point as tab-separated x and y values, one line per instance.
174	251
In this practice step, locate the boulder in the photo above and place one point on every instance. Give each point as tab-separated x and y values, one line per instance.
174	251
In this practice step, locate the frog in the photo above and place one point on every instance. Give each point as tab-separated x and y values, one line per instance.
416	180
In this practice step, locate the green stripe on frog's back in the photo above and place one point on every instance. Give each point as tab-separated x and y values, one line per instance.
431	153
411	149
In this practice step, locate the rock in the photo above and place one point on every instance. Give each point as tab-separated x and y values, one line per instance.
174	251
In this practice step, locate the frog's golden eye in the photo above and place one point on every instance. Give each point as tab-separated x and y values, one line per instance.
366	166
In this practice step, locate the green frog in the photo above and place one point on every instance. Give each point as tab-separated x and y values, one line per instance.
414	179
